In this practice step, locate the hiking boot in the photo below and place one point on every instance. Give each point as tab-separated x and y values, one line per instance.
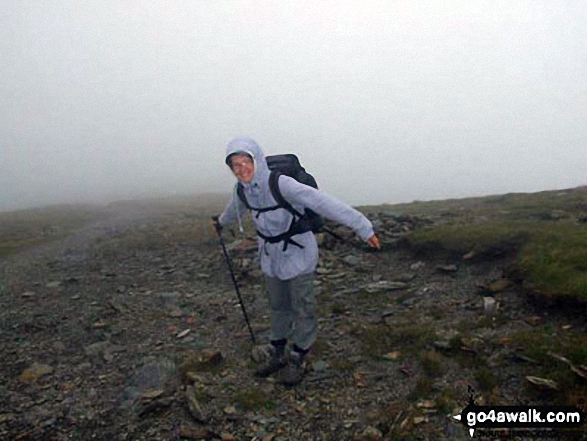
275	362
294	372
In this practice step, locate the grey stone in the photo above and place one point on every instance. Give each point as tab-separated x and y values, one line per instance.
447	268
352	260
385	286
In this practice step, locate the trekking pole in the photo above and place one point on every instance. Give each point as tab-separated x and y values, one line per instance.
332	233
218	229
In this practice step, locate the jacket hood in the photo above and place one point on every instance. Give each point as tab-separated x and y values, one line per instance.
249	146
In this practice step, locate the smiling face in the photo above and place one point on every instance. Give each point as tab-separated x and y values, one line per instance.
243	167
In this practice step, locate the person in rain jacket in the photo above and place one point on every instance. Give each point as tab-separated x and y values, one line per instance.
289	271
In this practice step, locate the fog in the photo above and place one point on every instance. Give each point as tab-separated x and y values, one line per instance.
383	101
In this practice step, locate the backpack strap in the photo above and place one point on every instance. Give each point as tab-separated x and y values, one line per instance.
276	193
297	226
240	191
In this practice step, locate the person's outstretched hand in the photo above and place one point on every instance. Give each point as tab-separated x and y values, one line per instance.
373	242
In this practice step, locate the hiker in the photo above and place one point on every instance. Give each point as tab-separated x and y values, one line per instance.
287	262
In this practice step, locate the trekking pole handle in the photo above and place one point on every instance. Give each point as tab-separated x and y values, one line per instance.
216	222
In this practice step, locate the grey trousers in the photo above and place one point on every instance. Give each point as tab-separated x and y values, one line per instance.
293	309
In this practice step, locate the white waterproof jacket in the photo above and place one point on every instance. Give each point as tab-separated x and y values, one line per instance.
294	261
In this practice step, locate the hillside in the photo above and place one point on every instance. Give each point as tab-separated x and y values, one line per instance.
121	322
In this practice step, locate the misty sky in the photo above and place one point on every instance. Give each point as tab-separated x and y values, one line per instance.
389	101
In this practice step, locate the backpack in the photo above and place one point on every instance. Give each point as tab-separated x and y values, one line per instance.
309	220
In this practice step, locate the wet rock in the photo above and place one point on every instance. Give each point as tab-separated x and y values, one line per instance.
405	278
36	371
155	379
321	366
447	268
117	304
352	260
168	298
445	338
174	311
489	306
542	383
261	353
183	333
230	410
534	320
199	361
391	356
196	433
369	434
499	286
147	404
384	285
96	348
196	410
59	347
419	420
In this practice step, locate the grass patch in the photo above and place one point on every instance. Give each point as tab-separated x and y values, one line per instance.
12	246
24	229
483	238
320	348
424	388
448	400
407	337
486	379
253	399
432	363
342	364
372	298
539	343
511	206
338	308
539	230
554	264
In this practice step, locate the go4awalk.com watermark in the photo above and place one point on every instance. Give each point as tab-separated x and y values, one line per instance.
533	421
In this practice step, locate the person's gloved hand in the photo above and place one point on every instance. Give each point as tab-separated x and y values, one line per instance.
216	224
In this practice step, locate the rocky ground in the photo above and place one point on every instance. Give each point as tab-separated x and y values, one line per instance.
131	329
